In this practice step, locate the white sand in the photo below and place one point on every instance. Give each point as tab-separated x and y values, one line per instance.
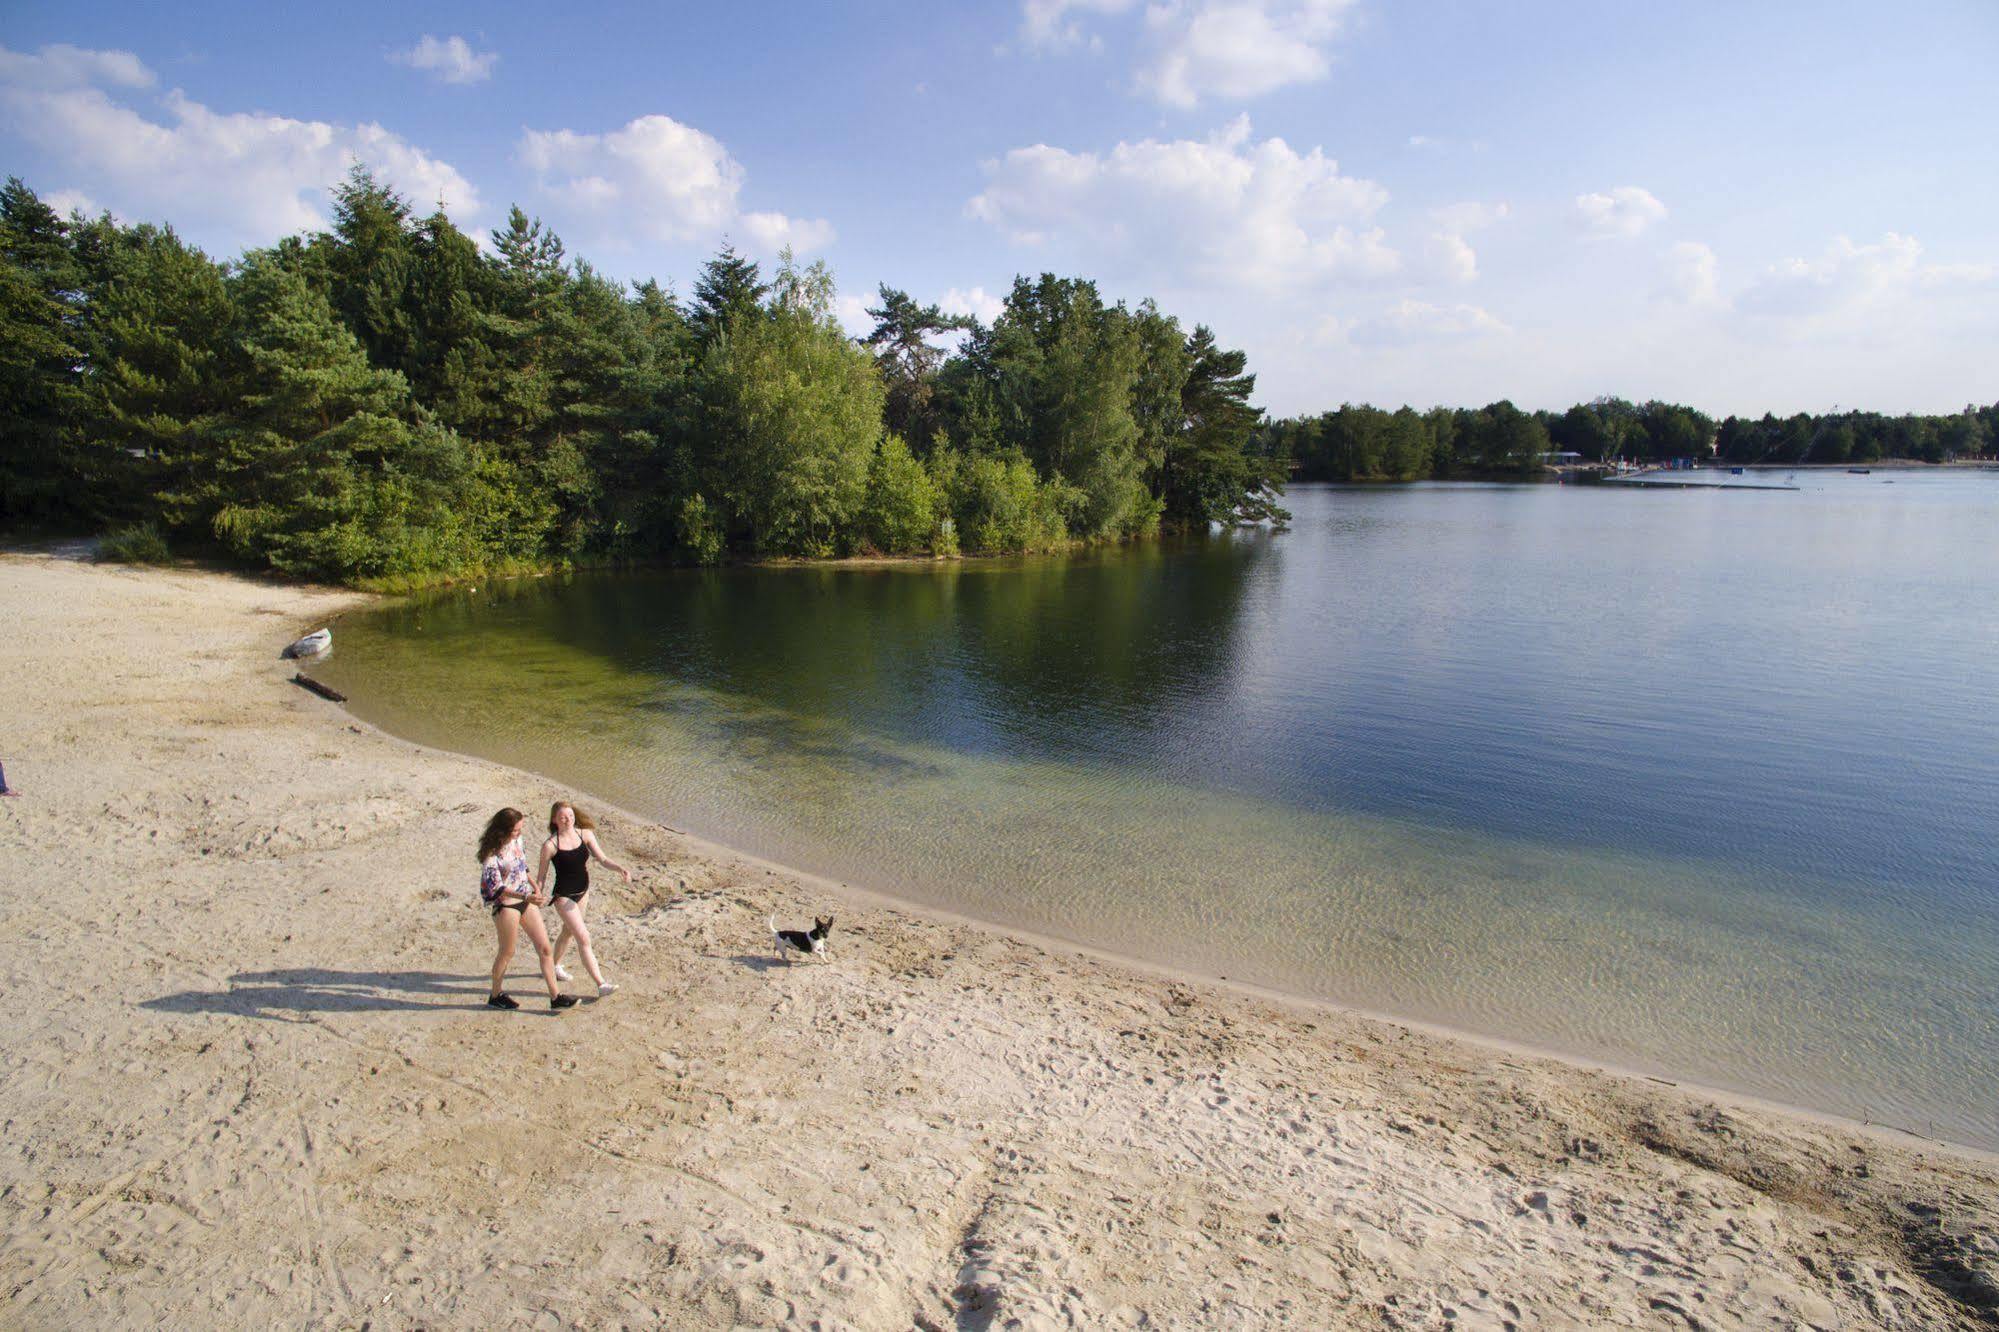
249	1080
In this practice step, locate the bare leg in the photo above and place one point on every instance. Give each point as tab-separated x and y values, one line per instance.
561	939
507	924
571	911
538	936
561	931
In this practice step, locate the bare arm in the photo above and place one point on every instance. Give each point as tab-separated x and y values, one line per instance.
609	863
541	871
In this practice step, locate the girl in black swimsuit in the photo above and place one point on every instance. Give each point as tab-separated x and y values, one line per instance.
572	883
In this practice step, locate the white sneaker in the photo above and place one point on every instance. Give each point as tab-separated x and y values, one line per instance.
562	973
606	988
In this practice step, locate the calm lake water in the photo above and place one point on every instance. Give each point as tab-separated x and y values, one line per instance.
1703	784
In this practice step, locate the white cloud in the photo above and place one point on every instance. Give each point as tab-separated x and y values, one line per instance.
1408	322
1625	211
661	179
1944	275
65	202
250	177
1225	208
1845	279
978	302
55	67
450	61
1693	274
852	312
1196	49
1235	48
1451	255
771	232
1046	24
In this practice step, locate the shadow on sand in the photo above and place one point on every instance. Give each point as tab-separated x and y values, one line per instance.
754	961
273	994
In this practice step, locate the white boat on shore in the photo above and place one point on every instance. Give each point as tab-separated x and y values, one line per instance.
312	645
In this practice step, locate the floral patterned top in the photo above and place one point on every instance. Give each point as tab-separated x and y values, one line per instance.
505	872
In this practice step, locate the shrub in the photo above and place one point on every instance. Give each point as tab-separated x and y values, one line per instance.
899	510
1000	505
699	528
135	543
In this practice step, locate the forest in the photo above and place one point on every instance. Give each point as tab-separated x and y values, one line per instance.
386	403
1362	443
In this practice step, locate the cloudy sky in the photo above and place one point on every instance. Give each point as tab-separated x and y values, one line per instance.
1747	207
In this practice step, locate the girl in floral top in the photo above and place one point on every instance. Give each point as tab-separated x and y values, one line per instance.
506	888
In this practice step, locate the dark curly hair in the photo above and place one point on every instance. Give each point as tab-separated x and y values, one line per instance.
499	831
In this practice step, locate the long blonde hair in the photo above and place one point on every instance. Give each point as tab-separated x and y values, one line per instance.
583	820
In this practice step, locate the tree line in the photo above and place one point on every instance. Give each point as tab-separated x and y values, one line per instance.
386	402
1363	443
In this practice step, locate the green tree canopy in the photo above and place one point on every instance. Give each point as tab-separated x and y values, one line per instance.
325	466
796	408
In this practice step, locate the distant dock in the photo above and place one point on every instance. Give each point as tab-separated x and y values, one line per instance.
1667	481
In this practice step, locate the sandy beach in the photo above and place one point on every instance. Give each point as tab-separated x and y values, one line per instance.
250	1080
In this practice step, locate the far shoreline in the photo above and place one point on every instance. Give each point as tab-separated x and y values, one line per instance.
84	545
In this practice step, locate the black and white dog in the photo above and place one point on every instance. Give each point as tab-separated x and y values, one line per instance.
811	942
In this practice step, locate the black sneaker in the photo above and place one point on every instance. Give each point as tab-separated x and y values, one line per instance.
502	1001
562	1001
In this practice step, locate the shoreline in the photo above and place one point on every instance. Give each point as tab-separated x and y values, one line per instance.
262	1086
860	894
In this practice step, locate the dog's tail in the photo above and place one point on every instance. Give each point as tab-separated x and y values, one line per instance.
773	927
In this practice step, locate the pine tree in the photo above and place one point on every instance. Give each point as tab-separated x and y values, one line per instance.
530	276
158	334
533	468
451	364
730	290
370	269
632	410
1211	469
41	353
907	360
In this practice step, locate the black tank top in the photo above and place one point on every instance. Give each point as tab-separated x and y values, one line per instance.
572	870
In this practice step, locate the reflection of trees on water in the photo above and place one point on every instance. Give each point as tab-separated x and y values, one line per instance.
1047	657
1099	659
814	677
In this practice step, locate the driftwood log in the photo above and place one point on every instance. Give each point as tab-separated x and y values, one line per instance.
304	681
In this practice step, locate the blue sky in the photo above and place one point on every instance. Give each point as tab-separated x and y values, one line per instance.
1769	206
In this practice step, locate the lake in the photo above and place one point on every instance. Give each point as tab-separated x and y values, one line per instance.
1702	784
